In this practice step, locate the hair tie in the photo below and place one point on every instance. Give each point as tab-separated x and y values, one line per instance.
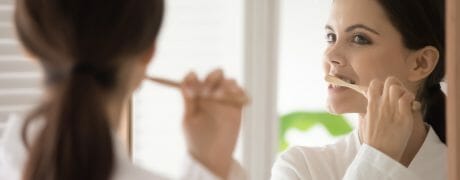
84	68
103	76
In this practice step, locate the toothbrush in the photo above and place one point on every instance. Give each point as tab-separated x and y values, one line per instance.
166	82
170	83
361	89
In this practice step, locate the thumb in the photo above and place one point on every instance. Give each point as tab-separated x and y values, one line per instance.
189	89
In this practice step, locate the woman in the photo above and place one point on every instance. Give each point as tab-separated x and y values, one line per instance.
396	49
94	54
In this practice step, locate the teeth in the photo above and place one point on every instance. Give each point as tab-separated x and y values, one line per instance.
346	80
349	81
343	79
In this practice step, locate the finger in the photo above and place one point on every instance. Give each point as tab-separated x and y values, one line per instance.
190	88
386	89
405	106
396	92
224	91
212	81
232	86
189	85
230	92
238	92
387	106
220	92
375	89
374	93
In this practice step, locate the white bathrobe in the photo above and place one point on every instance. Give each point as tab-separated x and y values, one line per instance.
349	160
13	156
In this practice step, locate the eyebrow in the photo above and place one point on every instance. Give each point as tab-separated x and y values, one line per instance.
356	26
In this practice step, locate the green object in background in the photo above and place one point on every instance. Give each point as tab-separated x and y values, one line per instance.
303	121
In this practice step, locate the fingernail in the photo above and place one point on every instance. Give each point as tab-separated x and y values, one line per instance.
194	76
190	77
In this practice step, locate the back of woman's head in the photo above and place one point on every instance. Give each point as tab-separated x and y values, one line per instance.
421	23
82	46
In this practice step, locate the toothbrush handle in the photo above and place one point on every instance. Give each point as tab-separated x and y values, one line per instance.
363	90
243	100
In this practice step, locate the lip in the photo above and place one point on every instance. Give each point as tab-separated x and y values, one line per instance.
339	89
345	78
334	90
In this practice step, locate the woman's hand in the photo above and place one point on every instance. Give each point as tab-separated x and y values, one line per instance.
389	121
212	119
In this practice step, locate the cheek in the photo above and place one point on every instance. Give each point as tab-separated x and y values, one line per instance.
378	64
326	67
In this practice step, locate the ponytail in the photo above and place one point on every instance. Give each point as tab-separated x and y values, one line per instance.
76	142
83	47
435	110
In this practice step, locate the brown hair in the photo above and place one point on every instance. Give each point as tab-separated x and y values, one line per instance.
81	45
422	23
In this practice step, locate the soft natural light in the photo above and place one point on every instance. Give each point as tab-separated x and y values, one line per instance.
197	35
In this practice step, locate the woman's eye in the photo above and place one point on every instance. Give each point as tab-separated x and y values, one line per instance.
330	38
360	39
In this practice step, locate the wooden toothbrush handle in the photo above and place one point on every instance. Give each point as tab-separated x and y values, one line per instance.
415	104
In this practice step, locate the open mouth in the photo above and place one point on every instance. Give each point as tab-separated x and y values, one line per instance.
346	79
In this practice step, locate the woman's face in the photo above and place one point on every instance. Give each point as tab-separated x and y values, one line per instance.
362	45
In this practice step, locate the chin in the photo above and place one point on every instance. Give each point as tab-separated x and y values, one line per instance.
336	110
344	108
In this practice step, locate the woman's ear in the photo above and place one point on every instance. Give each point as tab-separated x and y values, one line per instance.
28	54
138	73
422	63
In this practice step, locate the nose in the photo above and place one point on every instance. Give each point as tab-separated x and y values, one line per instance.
335	56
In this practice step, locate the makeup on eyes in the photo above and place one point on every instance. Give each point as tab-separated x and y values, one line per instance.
331	37
365	40
354	30
357	38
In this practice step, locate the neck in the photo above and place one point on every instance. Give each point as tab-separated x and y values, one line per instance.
117	110
415	141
